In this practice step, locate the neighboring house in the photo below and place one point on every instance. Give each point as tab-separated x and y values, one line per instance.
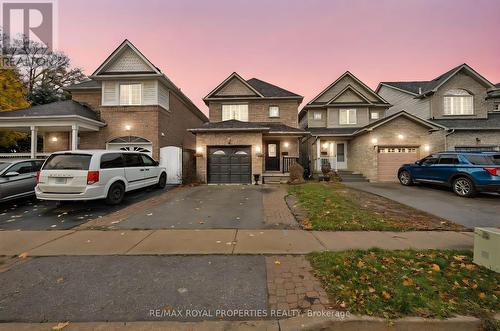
253	130
461	100
350	131
128	104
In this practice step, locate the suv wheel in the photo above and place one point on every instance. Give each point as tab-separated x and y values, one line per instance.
162	182
405	178
464	187
115	194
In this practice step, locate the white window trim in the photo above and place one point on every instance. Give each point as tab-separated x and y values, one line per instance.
351	119
458	100
243	117
278	113
130	104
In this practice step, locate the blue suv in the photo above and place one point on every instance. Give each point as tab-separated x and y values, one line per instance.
465	172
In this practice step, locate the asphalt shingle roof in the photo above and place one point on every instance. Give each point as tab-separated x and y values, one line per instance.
328	131
491	123
58	108
257	126
88	84
270	90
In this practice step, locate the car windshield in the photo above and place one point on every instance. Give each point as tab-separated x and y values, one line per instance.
480	159
4	165
68	162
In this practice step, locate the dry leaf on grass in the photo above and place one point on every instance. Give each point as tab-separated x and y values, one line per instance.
435	267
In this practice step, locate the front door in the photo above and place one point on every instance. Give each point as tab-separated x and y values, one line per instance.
273	156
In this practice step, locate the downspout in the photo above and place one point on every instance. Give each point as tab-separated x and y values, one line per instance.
452	131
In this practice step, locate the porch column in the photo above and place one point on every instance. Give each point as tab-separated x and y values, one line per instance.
74	137
34	134
318	155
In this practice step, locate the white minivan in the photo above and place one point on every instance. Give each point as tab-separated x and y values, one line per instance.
97	174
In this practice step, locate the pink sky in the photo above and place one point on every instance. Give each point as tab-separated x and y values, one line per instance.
301	46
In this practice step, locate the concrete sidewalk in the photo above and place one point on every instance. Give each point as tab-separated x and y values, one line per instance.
224	241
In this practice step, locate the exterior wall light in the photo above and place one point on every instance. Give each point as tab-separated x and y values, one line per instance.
374	141
128	127
325	145
427	148
286	144
54	139
258	149
199	149
400	136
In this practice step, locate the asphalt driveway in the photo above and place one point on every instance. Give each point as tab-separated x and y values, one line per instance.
203	207
33	214
128	288
483	211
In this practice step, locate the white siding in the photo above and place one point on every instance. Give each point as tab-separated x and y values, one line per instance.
128	61
109	93
163	97
404	101
149	92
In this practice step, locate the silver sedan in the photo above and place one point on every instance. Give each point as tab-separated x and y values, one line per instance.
18	178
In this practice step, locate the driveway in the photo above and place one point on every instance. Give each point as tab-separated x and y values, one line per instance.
128	288
203	207
483	210
33	214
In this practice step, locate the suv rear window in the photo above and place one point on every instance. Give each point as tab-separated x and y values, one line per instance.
480	159
68	162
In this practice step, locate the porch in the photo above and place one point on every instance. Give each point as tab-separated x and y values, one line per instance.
327	151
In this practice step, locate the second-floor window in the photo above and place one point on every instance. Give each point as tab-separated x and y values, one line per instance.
130	94
458	102
235	112
317	115
274	111
374	115
347	116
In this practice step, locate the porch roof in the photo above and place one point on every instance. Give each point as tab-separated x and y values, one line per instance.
235	125
332	131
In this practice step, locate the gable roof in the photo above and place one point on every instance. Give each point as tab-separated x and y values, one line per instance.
58	108
348	73
497	85
344	90
125	45
261	89
424	88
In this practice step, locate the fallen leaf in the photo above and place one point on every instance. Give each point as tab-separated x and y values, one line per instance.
482	296
435	267
277	262
459	257
386	295
60	280
371	289
361	264
60	326
23	255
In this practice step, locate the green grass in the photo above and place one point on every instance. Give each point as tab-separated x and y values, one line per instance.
329	209
393	284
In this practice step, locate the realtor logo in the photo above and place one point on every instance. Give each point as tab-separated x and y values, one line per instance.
31	19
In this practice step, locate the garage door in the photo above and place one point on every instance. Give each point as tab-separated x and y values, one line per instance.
390	159
229	165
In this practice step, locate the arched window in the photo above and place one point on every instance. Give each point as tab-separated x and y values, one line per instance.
458	102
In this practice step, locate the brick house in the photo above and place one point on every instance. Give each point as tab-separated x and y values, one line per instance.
462	101
127	104
351	131
253	130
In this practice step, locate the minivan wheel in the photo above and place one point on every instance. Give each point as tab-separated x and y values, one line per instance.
464	187
162	182
115	194
405	178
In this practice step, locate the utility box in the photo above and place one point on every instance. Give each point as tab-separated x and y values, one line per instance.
487	248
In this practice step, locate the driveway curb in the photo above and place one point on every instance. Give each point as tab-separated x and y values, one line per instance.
351	323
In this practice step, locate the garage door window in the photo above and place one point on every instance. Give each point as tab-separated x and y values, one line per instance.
398	150
219	152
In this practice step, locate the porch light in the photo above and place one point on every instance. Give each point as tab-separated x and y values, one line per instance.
400	136
427	148
128	127
199	150
374	141
257	149
286	144
54	139
325	145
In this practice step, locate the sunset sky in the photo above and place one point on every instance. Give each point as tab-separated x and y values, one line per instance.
301	46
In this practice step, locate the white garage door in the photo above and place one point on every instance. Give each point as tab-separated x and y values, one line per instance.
390	159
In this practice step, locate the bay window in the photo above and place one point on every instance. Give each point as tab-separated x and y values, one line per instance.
235	112
347	116
458	102
130	94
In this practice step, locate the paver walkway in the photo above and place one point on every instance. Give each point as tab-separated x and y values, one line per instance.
223	241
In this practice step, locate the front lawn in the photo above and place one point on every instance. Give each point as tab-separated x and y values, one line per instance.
334	207
393	284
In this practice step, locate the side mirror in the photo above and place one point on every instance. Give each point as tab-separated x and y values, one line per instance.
157	163
11	174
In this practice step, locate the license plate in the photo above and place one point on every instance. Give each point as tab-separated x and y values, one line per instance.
60	180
